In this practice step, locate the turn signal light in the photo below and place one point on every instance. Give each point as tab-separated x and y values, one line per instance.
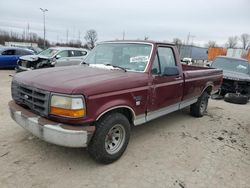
67	112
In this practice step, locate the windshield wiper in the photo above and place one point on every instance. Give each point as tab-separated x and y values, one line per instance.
116	66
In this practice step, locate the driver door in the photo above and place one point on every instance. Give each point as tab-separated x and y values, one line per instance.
64	59
166	90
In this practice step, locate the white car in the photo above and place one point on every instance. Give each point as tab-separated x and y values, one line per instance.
187	61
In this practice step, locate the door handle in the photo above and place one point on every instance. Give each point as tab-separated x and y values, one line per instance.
178	78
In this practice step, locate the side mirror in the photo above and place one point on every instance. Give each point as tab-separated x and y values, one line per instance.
209	64
58	56
171	71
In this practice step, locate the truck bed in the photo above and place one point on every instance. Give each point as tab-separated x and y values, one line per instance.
195	78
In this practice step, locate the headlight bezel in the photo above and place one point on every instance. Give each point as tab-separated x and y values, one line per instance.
67	109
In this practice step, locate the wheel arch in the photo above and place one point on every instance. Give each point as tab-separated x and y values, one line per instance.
208	88
125	110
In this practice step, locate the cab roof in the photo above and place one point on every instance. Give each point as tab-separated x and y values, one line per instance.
139	41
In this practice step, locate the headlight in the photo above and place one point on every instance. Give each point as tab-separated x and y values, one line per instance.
67	106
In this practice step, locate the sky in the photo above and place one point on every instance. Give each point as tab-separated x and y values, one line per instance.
160	20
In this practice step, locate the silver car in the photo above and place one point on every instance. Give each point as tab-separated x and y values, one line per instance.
52	57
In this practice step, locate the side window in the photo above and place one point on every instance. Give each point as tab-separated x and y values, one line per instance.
8	52
83	53
63	53
166	57
76	53
72	53
23	52
18	52
156	66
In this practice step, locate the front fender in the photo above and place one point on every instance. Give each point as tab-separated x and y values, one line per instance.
97	108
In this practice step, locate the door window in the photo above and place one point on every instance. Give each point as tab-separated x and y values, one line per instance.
9	52
83	53
64	53
23	52
164	58
76	53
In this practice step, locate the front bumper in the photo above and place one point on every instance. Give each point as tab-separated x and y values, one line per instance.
51	131
21	69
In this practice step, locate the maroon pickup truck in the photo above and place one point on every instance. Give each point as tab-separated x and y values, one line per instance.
120	84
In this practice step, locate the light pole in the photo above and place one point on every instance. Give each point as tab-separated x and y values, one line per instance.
43	10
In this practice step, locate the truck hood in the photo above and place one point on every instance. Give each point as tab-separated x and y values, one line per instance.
232	75
33	57
82	79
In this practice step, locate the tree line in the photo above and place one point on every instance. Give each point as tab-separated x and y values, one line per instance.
242	41
9	36
91	38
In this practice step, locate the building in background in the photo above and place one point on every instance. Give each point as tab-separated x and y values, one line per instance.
194	52
21	44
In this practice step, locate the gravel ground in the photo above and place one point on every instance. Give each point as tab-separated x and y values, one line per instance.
176	150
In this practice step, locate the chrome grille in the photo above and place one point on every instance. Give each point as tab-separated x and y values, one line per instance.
33	98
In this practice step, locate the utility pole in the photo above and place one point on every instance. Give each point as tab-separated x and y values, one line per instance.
67	36
28	28
123	35
192	37
44	30
188	38
79	35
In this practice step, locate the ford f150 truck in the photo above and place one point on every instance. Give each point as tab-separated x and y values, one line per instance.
120	84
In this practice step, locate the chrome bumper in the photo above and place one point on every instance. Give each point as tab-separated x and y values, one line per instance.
50	131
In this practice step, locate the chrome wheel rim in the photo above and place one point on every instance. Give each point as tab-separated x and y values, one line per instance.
115	139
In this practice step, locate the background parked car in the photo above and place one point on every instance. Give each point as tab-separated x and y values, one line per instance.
36	50
56	56
187	61
236	78
10	55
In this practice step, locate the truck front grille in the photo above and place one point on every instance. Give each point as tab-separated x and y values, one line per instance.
33	98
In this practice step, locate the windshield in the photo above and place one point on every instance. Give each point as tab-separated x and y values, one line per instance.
131	56
231	65
49	52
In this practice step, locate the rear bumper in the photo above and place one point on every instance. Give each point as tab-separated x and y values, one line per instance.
50	131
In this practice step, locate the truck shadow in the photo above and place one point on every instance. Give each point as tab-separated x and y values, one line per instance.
166	122
66	155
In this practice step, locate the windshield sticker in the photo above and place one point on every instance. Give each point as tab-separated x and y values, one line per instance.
139	59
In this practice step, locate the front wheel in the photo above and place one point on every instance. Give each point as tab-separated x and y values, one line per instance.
110	139
199	108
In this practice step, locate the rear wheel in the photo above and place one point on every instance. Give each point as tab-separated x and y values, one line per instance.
110	139
199	108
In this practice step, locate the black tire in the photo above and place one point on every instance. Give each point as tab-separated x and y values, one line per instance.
104	137
236	98
217	96
199	108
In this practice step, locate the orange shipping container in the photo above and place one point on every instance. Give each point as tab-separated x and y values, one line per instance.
248	56
214	52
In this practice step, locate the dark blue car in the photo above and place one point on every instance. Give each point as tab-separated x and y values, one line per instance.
10	55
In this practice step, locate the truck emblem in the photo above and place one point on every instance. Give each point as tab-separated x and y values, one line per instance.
26	96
